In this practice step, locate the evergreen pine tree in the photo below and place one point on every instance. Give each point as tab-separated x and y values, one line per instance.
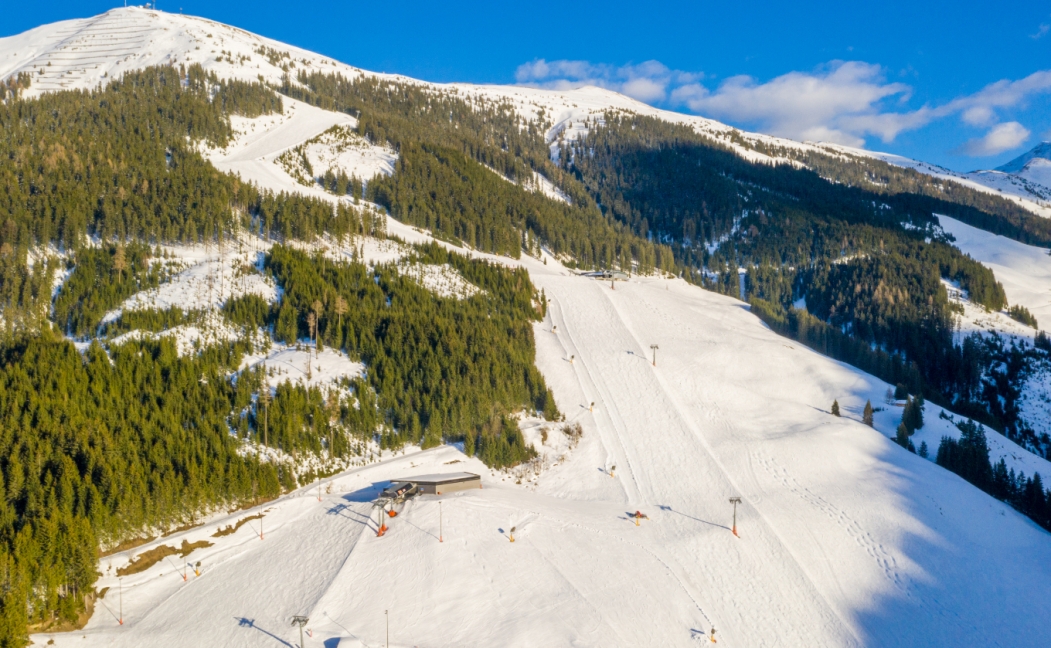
866	417
835	408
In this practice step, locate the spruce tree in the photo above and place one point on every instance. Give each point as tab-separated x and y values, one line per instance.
866	417
912	415
835	408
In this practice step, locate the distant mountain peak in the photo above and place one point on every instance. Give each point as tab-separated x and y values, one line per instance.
1042	150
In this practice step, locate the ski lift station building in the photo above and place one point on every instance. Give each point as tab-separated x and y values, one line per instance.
444	483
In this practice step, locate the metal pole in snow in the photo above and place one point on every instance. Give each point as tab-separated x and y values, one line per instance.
386	613
440	534
121	619
654	347
300	621
735	501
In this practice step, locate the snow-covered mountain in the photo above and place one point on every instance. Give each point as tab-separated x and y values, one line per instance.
1033	167
85	52
845	539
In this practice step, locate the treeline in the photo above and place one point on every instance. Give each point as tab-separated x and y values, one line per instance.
968	457
405	113
291	217
868	265
443	190
98	446
980	377
443	369
120	164
101	279
443	140
982	209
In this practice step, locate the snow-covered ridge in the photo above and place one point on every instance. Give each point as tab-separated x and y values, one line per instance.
86	52
1024	189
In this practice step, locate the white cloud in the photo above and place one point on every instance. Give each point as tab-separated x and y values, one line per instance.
1001	94
648	81
843	101
1000	138
837	104
979	116
1041	31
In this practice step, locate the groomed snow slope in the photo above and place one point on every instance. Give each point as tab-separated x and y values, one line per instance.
1024	270
846	539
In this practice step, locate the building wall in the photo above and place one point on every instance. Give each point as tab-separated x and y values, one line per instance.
441	489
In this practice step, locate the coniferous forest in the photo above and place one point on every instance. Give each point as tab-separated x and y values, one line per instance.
103	445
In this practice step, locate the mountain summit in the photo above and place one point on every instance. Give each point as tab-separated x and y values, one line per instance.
1040	155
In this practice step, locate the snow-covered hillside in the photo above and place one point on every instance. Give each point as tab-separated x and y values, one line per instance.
845	538
83	53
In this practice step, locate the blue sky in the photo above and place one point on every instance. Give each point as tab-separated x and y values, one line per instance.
962	84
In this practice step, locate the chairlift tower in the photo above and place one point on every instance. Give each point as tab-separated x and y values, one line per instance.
735	501
300	621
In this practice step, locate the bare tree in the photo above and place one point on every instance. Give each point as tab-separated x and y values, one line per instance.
264	400
341	309
332	405
312	323
317	307
120	261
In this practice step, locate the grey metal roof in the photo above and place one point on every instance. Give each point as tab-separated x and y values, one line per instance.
443	478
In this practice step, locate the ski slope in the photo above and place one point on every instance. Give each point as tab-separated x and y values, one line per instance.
845	538
1024	270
